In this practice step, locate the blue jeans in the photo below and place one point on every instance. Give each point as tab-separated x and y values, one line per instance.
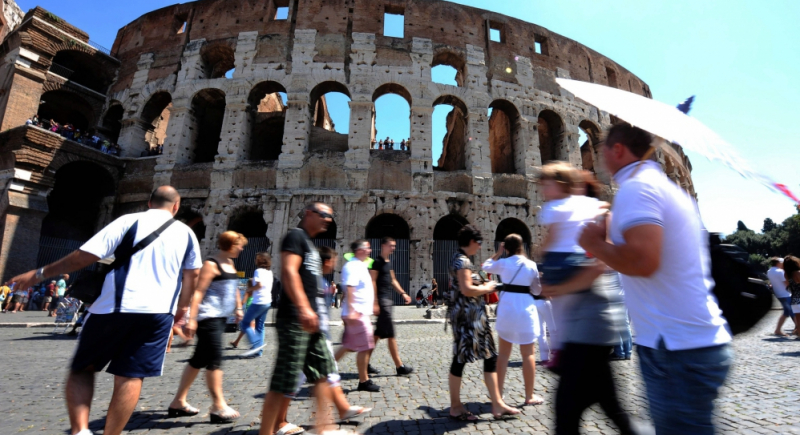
625	346
259	314
682	386
786	304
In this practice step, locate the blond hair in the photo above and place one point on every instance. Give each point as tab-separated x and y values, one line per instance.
228	239
566	176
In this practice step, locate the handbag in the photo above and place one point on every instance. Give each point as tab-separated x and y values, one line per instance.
88	287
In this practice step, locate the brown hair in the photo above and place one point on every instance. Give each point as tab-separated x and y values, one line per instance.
592	185
562	173
514	245
263	260
791	264
230	238
635	139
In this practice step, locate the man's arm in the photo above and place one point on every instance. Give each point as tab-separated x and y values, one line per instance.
399	289
187	291
374	275
77	260
640	255
293	287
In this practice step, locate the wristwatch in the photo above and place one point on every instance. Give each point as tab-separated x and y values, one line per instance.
39	274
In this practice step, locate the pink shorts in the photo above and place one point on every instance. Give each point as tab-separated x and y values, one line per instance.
358	335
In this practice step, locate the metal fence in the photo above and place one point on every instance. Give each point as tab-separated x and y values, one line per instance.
52	249
400	262
247	259
99	47
443	251
330	243
61	71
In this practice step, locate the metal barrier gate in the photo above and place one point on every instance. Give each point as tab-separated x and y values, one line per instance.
52	249
400	262
246	262
443	251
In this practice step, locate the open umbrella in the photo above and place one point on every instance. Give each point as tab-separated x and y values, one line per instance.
669	123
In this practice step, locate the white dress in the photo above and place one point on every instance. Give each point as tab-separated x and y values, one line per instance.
517	316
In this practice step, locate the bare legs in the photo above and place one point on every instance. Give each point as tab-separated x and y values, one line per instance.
528	368
214	382
276	405
498	406
503	355
393	351
187	379
362	362
79	393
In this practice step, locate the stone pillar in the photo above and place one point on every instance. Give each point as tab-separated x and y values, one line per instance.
24	89
132	137
527	147
295	140
479	164
21	227
192	67
357	156
282	220
178	143
234	144
245	51
421	148
569	146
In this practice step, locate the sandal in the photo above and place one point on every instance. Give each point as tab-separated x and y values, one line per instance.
290	429
354	411
506	416
234	345
186	411
227	415
465	417
537	400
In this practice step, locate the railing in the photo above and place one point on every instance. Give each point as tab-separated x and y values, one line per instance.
61	70
99	47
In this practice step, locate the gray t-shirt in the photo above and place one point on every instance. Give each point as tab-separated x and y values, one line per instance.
594	316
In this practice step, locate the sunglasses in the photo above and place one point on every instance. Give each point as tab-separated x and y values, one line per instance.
323	215
479	242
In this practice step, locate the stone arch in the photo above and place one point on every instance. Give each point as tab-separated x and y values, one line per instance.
112	121
612	76
581	63
504	137
396	96
454	145
552	133
81	66
207	112
454	60
249	221
589	151
155	117
267	113
218	58
319	106
388	225
66	107
193	220
513	226
447	227
445	244
79	190
392	88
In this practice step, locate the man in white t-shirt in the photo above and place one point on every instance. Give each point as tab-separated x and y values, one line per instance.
778	281
359	305
661	250
130	321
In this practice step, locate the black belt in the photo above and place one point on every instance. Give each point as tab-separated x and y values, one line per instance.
521	289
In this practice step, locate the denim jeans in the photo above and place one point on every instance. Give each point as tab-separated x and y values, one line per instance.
625	346
682	386
259	314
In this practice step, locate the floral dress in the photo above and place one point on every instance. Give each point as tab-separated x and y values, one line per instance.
472	333
794	289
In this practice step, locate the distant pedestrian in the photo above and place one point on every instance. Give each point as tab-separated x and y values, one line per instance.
403	145
391	144
51	297
130	322
5	296
436	295
260	287
380	145
779	283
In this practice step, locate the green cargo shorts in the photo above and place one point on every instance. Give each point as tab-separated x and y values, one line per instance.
300	352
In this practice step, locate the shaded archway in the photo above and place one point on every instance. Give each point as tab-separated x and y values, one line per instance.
513	226
112	122
448	68
387	225
392	225
504	126
330	114
194	221
155	115
452	113
589	140
551	136
445	244
392	114
251	224
611	73
65	107
267	112
218	59
75	202
208	113
84	69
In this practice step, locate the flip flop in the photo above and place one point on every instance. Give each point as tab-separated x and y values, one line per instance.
290	429
354	411
537	400
234	346
227	415
464	417
186	411
507	416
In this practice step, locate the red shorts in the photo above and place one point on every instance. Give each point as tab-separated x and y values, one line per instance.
358	334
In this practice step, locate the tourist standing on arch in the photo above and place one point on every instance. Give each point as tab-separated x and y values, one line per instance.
682	339
130	322
385	283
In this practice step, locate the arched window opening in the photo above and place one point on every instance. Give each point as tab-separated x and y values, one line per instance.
450	116
551	137
445	244
392	116
330	112
74	204
218	60
267	111
504	125
112	122
612	77
229	73
513	226
251	224
392	225
64	107
194	221
449	68
208	112
155	114
83	69
388	225
589	138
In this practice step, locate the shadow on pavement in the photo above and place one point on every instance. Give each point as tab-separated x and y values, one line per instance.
795	354
39	336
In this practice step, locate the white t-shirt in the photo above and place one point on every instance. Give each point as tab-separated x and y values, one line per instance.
152	281
569	215
675	303
263	278
778	280
516	270
356	274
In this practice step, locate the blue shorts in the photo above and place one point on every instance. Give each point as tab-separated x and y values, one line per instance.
559	267
786	304
132	345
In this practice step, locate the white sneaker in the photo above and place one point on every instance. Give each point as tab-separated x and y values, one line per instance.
253	351
85	432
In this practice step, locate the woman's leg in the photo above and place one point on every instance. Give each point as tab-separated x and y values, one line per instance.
504	353
528	371
606	390
214	381
454	381
259	327
499	407
574	393
187	379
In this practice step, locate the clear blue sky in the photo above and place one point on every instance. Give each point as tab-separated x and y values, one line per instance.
739	57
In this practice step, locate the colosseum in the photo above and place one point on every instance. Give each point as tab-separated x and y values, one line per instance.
234	94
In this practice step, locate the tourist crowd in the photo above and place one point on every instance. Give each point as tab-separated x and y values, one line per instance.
388	144
592	252
89	138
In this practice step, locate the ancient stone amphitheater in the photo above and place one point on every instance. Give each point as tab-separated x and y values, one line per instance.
248	149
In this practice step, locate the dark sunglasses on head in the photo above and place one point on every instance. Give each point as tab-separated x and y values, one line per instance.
323	215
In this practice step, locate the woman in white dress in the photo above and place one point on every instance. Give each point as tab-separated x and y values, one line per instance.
517	316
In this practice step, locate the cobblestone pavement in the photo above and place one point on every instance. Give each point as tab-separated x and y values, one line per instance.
761	395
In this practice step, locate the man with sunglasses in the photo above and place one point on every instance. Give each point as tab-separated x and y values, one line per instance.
302	347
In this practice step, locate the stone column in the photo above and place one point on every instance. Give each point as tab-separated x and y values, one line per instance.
421	148
357	156
479	163
132	137
569	146
295	140
178	143
21	227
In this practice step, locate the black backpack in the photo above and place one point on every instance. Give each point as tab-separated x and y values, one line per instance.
277	290
744	302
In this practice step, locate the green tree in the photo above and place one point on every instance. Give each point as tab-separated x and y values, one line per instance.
769	225
740	226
